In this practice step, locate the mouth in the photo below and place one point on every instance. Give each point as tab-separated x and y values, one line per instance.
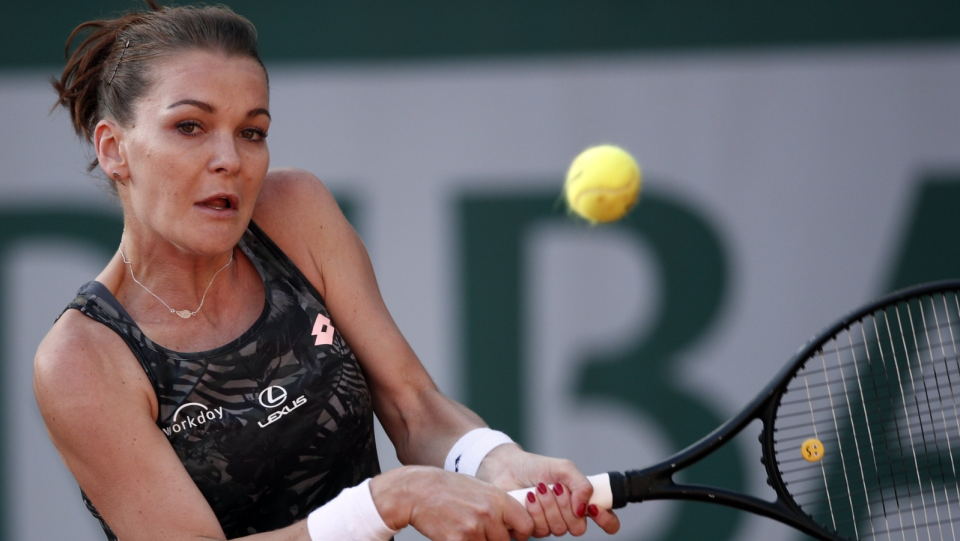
221	202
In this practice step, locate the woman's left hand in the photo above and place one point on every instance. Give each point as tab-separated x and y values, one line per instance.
555	511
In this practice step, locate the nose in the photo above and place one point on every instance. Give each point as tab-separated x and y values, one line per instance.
226	157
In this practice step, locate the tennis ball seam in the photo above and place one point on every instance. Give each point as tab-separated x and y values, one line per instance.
604	191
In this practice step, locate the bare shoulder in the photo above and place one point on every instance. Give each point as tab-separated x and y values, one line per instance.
80	362
293	196
296	210
100	412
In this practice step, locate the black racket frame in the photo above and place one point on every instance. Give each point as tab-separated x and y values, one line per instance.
656	482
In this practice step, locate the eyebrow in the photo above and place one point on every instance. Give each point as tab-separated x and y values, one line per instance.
207	108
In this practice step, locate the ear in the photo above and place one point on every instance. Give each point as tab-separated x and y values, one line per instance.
106	141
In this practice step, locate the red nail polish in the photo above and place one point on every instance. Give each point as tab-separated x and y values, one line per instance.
542	488
531	498
593	511
558	489
581	509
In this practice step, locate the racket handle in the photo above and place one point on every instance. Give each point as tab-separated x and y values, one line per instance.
602	495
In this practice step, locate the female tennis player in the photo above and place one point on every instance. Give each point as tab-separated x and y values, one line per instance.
219	377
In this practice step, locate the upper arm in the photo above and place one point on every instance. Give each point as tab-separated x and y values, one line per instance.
300	214
99	410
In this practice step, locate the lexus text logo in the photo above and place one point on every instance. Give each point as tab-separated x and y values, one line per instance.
272	397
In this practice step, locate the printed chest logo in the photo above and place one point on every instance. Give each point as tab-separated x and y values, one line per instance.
192	418
323	330
274	397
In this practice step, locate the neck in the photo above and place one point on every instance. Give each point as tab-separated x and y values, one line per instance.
173	279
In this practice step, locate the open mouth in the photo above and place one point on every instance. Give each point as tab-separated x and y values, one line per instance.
220	203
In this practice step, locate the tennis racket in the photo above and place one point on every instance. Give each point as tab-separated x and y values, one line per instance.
861	430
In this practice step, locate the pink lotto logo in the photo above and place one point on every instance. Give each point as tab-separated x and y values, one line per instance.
323	330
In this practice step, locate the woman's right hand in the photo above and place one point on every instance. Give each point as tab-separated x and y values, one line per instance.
443	505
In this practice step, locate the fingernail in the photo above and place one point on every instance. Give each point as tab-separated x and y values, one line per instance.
542	488
593	510
558	489
531	498
581	509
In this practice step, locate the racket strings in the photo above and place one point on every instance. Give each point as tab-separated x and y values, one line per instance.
943	424
952	371
921	527
945	421
881	398
836	348
806	474
904	508
875	491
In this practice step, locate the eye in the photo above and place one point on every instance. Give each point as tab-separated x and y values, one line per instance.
253	134
188	127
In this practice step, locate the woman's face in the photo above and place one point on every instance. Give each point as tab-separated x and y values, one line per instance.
196	152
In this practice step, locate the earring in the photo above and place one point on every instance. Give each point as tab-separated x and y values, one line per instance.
116	176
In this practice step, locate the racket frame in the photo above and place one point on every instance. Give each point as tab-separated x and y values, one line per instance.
656	482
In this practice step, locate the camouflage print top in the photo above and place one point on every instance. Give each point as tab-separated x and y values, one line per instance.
271	425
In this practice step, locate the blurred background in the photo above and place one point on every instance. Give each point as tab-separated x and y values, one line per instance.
799	158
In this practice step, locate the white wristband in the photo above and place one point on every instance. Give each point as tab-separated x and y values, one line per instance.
351	515
466	455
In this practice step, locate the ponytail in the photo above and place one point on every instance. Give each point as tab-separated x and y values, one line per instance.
108	71
79	87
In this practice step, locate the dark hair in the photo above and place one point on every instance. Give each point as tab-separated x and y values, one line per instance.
108	71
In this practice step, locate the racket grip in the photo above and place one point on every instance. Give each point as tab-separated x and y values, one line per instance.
602	495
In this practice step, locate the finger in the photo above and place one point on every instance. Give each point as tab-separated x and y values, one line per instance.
517	537
498	526
566	473
575	525
496	532
518	519
606	519
535	512
548	502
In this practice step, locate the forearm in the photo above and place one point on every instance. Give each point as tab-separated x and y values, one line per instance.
353	514
294	532
424	430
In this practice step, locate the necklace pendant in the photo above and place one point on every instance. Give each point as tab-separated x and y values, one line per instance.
185	314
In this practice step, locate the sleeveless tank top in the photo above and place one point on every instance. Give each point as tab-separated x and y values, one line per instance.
271	425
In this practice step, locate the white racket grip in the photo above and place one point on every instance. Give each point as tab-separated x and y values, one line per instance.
602	495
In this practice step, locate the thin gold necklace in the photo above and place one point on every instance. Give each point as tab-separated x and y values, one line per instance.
185	314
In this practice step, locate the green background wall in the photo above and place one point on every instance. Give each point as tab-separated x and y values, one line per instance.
345	31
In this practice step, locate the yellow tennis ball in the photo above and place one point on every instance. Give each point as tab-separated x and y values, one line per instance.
603	184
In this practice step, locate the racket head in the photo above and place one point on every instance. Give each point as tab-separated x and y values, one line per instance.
862	430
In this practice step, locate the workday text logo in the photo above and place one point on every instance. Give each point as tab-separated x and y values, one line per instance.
192	418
